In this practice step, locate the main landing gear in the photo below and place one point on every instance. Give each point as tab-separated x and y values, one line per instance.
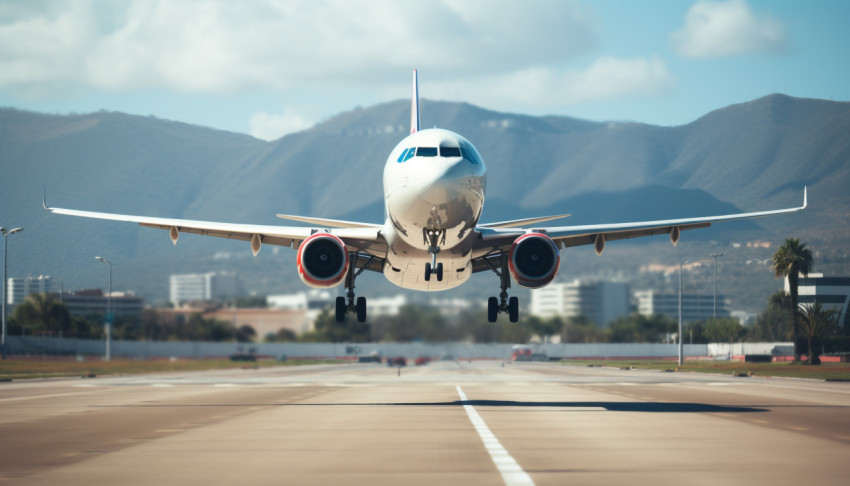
432	237
503	303
351	305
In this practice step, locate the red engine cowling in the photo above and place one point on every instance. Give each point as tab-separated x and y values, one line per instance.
322	260
534	260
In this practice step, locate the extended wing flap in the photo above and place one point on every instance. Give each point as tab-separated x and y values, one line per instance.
523	222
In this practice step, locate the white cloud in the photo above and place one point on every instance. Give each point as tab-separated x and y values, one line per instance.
216	46
606	79
720	29
272	126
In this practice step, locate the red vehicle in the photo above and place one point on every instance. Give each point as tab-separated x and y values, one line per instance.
422	360
521	353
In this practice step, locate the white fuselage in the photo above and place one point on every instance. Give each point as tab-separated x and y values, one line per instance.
434	183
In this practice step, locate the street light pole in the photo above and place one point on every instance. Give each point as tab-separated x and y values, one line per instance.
109	316
6	234
715	255
681	358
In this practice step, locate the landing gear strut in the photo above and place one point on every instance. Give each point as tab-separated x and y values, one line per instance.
503	303
352	305
432	237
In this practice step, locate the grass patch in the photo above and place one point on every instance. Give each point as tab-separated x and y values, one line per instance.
825	371
52	366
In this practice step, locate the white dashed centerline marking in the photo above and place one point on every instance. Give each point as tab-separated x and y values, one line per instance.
512	473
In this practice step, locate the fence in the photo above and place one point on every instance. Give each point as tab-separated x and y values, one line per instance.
34	345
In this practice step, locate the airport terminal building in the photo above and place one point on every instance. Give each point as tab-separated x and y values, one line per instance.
831	292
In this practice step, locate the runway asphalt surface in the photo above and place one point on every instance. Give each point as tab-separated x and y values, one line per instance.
482	422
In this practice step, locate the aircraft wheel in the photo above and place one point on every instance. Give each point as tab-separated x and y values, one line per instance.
439	272
513	309
492	309
427	272
361	309
341	309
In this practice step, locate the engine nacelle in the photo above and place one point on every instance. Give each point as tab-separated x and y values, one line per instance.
322	260
534	260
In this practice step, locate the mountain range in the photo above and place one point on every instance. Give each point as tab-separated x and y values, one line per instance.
747	157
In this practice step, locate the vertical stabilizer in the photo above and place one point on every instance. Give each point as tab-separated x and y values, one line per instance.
414	104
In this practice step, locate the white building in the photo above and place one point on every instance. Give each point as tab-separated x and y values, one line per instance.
601	302
202	286
695	307
831	292
17	289
314	299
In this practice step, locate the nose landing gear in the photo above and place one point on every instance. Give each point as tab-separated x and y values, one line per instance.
434	237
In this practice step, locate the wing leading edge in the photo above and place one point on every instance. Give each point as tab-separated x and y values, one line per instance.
495	239
364	238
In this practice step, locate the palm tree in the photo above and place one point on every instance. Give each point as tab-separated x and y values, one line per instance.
42	313
791	260
817	322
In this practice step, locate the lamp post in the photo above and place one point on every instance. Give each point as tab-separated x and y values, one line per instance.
109	316
681	360
715	255
6	234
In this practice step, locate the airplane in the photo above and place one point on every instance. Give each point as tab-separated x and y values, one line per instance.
434	184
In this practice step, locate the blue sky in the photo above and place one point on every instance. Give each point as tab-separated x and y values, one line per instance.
271	67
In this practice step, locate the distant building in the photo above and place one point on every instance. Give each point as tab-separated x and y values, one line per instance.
695	307
193	287
18	289
601	302
93	302
265	321
311	300
831	292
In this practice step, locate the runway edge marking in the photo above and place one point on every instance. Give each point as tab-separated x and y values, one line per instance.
512	473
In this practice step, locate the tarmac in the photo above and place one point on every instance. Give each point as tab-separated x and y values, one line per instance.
470	423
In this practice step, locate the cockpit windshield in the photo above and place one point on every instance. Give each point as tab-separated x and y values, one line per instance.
449	152
426	151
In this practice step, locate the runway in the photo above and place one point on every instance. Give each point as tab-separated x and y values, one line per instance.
482	422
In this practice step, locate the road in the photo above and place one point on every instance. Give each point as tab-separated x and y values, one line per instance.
446	423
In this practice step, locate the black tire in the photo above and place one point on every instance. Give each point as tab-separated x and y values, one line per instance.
492	309
361	309
341	309
513	309
427	272
439	272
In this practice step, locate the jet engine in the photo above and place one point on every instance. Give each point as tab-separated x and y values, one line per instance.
534	260
322	260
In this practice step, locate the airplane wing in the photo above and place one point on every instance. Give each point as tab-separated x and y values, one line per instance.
497	240
365	238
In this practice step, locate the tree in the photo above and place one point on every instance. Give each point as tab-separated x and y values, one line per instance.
638	328
773	324
580	329
245	333
544	328
43	314
817	322
791	260
724	331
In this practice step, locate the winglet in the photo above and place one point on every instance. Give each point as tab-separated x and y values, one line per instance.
44	197
414	104
805	197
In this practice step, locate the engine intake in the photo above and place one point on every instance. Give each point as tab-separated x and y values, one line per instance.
322	260
534	260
